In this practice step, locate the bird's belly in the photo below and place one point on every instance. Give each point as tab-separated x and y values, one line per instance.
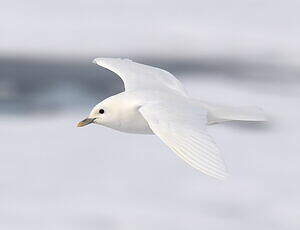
133	123
137	128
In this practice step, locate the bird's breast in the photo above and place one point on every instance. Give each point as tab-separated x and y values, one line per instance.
132	121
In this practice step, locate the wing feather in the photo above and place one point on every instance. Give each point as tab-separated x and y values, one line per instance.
137	76
186	136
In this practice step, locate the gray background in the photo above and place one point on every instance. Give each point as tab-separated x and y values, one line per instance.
55	176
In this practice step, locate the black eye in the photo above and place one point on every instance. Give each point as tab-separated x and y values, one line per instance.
101	111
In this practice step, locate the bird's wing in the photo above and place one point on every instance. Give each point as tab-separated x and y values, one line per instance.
182	129
138	76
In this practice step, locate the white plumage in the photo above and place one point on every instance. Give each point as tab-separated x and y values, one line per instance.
155	102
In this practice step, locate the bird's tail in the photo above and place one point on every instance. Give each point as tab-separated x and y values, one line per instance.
221	113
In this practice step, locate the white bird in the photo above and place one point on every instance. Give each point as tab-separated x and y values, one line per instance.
155	102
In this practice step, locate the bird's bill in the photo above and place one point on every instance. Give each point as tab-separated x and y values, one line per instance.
85	122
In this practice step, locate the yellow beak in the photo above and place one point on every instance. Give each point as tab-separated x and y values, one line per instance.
85	122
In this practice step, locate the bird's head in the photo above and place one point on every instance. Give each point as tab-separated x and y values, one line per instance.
105	113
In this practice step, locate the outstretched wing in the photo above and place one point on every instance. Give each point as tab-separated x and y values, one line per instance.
182	129
138	76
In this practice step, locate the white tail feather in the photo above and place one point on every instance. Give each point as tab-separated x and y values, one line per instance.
221	113
237	114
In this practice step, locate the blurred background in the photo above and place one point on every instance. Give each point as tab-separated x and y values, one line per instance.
55	176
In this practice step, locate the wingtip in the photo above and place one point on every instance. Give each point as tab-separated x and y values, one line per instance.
220	176
95	61
224	177
98	60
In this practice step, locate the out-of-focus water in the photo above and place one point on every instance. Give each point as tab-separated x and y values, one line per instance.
34	86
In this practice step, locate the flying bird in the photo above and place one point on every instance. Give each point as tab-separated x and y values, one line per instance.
155	102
